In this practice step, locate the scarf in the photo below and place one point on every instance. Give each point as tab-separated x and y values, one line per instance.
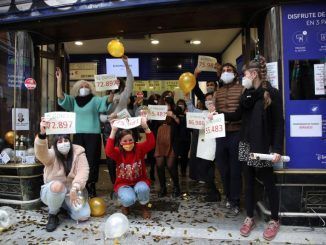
83	100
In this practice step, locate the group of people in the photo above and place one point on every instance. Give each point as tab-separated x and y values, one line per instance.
253	122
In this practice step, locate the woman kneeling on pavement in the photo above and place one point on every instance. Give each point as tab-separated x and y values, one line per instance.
65	173
131	183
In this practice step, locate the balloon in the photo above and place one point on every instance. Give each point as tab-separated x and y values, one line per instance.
115	48
30	151
143	111
83	197
10	152
187	82
98	206
116	225
7	218
9	137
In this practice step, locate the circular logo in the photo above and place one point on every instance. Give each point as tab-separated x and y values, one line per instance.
30	83
139	94
300	38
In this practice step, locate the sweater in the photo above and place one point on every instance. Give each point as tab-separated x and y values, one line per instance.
87	117
54	170
130	165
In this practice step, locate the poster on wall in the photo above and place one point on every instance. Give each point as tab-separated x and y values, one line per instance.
319	77
272	73
82	71
21	122
304	42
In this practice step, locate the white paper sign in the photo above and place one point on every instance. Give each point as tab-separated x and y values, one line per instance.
4	157
22	119
157	112
272	73
106	82
123	114
215	128
319	75
195	120
206	148
306	125
127	123
30	159
61	122
206	63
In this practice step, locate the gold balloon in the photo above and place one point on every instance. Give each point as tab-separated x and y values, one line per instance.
115	48
187	82
98	206
10	137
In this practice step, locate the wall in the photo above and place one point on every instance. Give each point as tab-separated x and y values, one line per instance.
233	51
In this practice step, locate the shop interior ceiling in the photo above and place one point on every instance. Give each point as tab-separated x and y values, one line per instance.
133	23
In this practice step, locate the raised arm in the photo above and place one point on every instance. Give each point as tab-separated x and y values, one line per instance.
58	75
110	150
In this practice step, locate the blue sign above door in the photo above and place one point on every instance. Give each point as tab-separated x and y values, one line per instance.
304	57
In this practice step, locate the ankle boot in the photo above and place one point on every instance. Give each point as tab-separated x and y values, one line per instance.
53	222
146	213
176	191
162	192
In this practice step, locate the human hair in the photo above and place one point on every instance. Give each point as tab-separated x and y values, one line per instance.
65	161
122	84
259	66
153	97
236	75
183	102
75	88
208	94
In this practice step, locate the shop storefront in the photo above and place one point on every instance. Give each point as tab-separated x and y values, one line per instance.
291	36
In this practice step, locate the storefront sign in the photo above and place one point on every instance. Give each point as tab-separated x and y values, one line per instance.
206	63
306	125
61	122
127	123
304	39
82	71
140	86
215	128
195	120
21	122
106	82
157	112
320	79
272	73
155	85
171	85
30	83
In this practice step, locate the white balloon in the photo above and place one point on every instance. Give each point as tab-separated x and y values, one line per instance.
7	217
10	152
56	3
30	151
116	225
21	5
5	5
83	198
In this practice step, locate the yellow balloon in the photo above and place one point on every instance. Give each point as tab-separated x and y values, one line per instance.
187	82
10	137
115	48
98	206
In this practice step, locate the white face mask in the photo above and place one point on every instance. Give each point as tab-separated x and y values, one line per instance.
247	82
63	148
116	98
84	91
210	89
227	77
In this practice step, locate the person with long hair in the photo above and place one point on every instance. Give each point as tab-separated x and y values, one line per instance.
166	149
262	131
131	183
65	173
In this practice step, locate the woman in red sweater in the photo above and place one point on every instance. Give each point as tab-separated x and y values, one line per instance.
131	183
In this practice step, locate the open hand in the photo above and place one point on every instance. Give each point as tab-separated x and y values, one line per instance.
58	74
43	125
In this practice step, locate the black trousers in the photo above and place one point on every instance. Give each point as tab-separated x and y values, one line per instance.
106	130
227	151
150	160
267	176
183	152
92	145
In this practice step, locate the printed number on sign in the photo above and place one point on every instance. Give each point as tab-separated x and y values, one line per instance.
107	83
216	128
64	124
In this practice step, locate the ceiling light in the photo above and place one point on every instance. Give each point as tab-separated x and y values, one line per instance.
195	42
78	43
155	41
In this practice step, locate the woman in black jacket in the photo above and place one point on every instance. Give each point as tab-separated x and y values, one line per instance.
262	132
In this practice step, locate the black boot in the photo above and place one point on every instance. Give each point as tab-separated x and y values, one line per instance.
91	189
213	193
176	191
53	222
162	192
161	178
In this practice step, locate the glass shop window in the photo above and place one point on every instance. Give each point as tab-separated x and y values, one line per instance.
307	79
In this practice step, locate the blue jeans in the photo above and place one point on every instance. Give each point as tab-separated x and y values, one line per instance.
128	195
56	200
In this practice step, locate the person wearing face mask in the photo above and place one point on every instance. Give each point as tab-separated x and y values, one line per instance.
262	131
201	166
167	147
131	183
65	173
184	137
227	100
87	107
